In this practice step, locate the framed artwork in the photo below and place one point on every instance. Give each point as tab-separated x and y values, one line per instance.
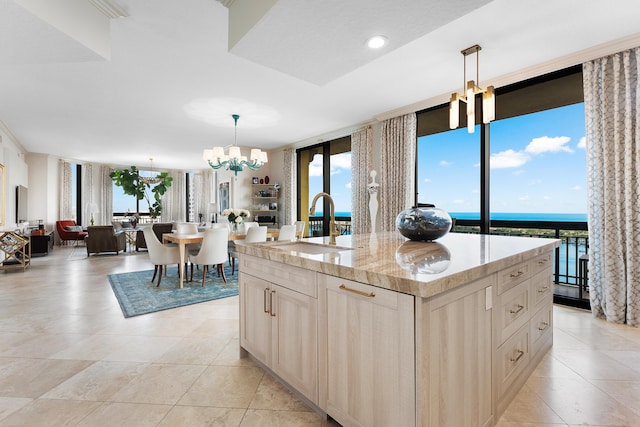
2	199
224	193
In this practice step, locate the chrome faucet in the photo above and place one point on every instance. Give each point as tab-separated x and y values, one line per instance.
332	212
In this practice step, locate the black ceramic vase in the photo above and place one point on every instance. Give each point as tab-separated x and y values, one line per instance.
423	223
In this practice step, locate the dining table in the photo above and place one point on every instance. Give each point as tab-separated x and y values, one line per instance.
182	240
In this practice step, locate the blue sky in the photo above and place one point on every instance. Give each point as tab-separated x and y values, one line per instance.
538	165
340	180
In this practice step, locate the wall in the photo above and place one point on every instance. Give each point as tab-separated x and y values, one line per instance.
16	171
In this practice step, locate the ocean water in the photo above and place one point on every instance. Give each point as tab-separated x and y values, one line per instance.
512	216
519	216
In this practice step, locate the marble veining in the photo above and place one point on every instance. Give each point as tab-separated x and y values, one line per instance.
372	258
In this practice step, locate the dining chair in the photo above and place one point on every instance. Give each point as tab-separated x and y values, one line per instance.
300	228
159	254
254	234
287	233
213	251
188	228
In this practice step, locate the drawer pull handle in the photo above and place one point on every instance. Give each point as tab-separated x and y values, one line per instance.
543	289
542	261
266	310
518	274
355	291
518	310
273	313
518	357
545	325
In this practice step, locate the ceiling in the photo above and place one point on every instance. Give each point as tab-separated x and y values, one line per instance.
162	81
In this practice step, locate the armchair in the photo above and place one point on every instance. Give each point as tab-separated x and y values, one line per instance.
68	230
103	238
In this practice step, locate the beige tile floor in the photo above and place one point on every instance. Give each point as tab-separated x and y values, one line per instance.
69	358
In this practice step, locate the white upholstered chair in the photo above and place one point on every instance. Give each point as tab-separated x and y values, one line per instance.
213	251
159	254
287	233
254	234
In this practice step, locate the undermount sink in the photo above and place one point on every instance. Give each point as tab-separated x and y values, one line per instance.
310	248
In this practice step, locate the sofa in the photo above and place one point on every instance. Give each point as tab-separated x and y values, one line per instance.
103	238
158	228
68	230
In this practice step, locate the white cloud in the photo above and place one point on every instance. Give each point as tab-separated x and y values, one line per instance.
445	163
523	198
518	172
476	191
576	188
339	162
458	201
427	180
348	185
508	159
583	142
548	144
546	197
535	182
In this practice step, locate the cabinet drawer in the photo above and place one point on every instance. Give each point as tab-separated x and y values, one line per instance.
513	358
377	296
512	310
542	288
291	277
542	262
541	327
510	277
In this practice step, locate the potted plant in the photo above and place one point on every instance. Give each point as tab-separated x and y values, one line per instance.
132	185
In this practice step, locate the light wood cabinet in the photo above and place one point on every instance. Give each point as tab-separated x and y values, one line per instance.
370	354
278	325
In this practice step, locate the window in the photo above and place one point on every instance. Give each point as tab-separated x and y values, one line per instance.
535	145
325	167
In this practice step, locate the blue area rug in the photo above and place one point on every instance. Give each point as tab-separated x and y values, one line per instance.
137	295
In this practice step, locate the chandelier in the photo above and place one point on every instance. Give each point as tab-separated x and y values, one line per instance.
469	97
152	179
234	160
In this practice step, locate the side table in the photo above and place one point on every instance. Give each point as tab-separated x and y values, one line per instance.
41	243
15	251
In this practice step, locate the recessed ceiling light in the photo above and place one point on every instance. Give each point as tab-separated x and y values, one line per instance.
376	42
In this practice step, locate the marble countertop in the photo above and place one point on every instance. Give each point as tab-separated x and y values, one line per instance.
423	269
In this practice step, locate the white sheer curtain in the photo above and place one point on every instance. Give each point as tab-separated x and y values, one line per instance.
397	164
65	210
612	101
105	216
86	194
174	201
288	197
361	165
204	194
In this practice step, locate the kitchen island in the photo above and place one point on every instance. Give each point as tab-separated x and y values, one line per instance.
381	331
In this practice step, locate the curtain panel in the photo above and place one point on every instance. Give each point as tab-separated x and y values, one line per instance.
87	194
397	168
105	216
361	165
289	196
611	101
65	210
174	201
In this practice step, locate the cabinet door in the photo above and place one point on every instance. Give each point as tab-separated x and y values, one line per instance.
370	359
255	320
295	340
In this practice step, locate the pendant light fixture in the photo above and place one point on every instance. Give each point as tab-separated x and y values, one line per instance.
234	160
469	96
152	179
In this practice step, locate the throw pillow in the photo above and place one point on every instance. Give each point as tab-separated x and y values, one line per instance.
75	228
